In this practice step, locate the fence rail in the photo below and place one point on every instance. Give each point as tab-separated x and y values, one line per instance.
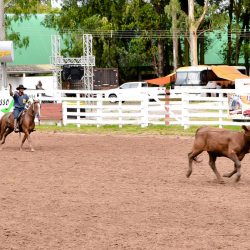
178	107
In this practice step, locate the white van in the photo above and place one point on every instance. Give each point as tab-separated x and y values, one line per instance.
202	76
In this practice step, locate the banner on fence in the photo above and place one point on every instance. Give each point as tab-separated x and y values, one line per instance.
6	103
239	106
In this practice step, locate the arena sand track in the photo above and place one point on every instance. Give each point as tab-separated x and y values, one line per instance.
118	192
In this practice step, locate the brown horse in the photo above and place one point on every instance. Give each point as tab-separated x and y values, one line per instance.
26	124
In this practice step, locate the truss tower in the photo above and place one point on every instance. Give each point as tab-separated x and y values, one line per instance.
87	61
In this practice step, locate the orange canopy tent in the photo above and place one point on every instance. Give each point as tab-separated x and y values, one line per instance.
228	73
163	80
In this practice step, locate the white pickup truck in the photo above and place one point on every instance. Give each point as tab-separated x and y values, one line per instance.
132	91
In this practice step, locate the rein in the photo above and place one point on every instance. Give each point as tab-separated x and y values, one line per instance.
31	111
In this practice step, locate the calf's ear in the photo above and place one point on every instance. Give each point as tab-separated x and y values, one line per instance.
245	128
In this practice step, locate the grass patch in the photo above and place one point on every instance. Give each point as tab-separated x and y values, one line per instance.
128	129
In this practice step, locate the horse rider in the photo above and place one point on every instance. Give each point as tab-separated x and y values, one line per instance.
20	101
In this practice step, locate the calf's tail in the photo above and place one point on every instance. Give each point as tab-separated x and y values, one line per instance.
195	159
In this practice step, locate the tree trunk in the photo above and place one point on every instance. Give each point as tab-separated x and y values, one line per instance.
186	44
3	71
175	41
237	13
247	59
192	33
237	48
247	42
202	50
2	22
229	37
161	58
241	36
193	28
193	46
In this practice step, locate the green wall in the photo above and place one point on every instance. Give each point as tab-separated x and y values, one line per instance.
39	49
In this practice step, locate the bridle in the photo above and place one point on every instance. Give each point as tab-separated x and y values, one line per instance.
36	114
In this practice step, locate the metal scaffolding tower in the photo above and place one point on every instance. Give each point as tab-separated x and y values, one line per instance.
87	61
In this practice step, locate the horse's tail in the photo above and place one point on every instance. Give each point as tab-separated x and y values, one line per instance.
3	124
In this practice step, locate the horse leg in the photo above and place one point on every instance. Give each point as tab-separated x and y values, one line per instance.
5	134
228	175
22	142
3	131
212	159
191	158
27	136
31	147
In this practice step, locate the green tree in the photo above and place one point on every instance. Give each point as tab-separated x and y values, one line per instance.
78	17
242	17
238	32
128	20
151	18
178	17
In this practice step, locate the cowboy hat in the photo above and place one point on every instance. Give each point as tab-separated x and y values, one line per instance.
21	87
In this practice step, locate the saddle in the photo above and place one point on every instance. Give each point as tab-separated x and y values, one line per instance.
19	119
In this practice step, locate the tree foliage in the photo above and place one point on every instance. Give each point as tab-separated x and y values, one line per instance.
138	24
17	11
131	51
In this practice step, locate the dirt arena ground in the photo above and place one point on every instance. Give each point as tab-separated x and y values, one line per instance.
118	192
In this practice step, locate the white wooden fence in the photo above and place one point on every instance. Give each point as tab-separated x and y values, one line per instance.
189	107
179	107
90	107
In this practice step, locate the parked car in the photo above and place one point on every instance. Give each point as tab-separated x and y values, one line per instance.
132	91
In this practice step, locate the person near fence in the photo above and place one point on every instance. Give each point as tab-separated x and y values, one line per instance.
20	101
39	85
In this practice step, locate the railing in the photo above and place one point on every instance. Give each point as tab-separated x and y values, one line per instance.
185	107
92	107
189	107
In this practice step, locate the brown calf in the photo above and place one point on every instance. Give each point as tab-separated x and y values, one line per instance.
221	142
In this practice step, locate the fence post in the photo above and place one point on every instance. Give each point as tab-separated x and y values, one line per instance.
220	110
99	110
120	113
185	111
144	109
78	110
167	107
64	113
58	96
